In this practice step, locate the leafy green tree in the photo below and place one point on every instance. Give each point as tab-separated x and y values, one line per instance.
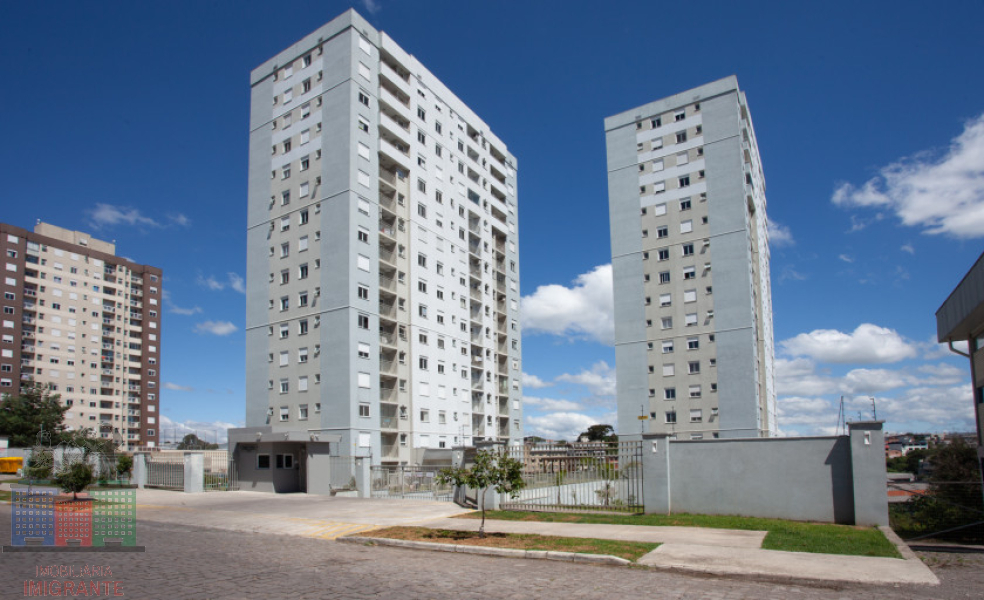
124	466
600	433
39	464
25	416
193	442
491	469
86	440
74	477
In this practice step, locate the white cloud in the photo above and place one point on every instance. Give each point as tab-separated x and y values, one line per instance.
583	311
780	235
867	344
550	404
233	281
178	388
942	194
798	377
216	327
791	274
185	311
873	381
534	383
214	432
846	258
237	283
108	215
600	380
372	6
908	248
559	425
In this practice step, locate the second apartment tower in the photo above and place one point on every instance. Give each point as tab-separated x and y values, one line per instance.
383	260
690	260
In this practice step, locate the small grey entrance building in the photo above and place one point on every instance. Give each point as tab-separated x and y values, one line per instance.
285	461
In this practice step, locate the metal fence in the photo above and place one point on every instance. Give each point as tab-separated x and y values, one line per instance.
165	472
409	483
220	474
581	476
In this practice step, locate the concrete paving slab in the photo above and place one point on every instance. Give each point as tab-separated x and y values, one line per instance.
729	538
794	565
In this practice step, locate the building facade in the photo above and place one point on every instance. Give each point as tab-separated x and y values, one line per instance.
88	324
383	259
961	319
690	260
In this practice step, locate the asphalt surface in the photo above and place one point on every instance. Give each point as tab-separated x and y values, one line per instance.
194	561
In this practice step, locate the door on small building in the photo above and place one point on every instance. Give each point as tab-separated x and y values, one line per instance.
302	470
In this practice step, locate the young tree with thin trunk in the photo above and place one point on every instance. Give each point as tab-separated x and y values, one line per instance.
491	470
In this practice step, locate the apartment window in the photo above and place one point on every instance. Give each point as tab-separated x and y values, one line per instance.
302	271
693	343
284	303
669	393
305	163
363	409
693	367
302	412
681	137
665	299
284	277
363	292
302	327
422	362
363	125
363	99
262	461
689	272
284	223
685	205
663	254
422	310
696	415
713	362
284	330
363	235
363	350
365	381
425	415
671	417
695	391
688	249
668	370
302	244
657	122
284	388
302	355
666	323
662	231
422	260
690	296
363	321
667	346
691	319
686	226
664	277
422	210
684	181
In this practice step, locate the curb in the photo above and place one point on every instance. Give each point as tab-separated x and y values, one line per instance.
901	546
597	559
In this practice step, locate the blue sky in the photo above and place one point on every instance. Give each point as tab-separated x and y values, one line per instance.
129	120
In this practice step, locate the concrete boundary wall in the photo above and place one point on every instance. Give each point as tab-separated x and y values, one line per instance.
838	479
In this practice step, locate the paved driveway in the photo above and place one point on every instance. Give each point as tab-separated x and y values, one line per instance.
324	517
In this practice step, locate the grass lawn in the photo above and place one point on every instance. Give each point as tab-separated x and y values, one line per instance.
791	536
521	541
5	495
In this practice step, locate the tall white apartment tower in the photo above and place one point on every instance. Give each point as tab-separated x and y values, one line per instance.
383	258
690	256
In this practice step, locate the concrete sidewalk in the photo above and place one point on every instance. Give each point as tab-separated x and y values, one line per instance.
726	552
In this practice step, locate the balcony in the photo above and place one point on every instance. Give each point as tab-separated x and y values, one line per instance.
388	422
29	320
387	339
387	394
387	229
387	283
395	126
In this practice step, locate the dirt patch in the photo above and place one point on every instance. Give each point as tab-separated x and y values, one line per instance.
518	541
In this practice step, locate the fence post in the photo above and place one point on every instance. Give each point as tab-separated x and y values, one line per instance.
140	469
656	493
194	472
363	477
868	472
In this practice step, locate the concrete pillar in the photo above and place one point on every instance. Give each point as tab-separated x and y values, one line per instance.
194	472
140	469
363	476
868	473
656	491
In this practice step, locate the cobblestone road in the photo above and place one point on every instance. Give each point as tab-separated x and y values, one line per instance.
194	562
